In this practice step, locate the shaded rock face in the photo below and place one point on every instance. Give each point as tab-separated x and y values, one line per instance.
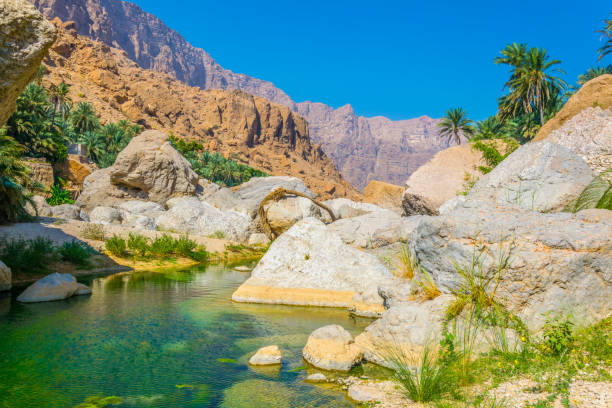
309	265
589	135
540	176
5	277
332	348
75	169
385	195
560	262
149	163
596	92
56	286
284	213
25	36
99	191
249	129
40	171
414	204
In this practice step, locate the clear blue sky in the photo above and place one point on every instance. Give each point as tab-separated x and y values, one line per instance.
400	59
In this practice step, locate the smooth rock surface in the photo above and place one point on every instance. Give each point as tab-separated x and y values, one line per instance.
384	195
370	230
66	212
56	286
99	191
284	213
310	265
540	176
25	36
5	277
252	193
345	208
332	348
316	377
269	355
105	215
258	239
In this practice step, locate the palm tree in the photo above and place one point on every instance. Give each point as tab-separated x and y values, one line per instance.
532	85
59	99
94	144
455	124
607	34
491	128
83	118
592	73
513	55
13	174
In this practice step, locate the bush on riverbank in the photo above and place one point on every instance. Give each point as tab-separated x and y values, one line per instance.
138	246
36	255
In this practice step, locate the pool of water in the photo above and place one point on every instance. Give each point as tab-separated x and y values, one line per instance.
169	339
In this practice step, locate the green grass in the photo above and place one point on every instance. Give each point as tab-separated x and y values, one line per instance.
75	252
116	246
164	247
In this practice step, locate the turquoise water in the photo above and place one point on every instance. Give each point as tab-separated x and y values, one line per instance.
155	340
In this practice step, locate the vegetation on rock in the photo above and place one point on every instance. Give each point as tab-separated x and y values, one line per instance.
598	194
140	247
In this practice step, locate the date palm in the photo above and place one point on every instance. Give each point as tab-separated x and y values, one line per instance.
606	34
59	98
532	85
83	118
592	73
455	124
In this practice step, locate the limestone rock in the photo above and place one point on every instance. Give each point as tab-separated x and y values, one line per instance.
332	348
597	91
99	191
5	277
258	238
384	195
282	214
138	221
540	176
25	36
345	208
38	207
414	204
256	189
76	168
560	261
316	378
150	164
56	286
310	265
66	212
147	208
105	215
190	215
371	230
40	171
269	355
589	135
370	392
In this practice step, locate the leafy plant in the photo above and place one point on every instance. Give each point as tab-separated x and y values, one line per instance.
13	178
557	335
76	252
491	154
116	246
59	196
138	244
163	246
598	194
606	33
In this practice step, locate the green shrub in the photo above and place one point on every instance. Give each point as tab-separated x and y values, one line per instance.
116	246
27	255
200	254
138	244
59	196
185	246
94	232
163	246
76	252
557	335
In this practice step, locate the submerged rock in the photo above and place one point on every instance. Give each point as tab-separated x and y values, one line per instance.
56	286
269	355
5	277
316	378
309	265
332	348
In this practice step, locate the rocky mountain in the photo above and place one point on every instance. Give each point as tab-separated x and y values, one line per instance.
247	128
362	148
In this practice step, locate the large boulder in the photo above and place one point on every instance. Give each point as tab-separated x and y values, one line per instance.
66	212
256	189
385	195
105	215
38	207
596	92
282	214
190	215
414	204
589	135
540	176
372	230
149	163
75	168
560	261
5	277
56	286
310	265
99	191
25	36
345	208
332	348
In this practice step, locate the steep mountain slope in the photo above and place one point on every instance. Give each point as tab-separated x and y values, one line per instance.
250	129
362	148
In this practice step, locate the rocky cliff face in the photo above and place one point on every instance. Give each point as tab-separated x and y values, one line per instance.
250	129
362	148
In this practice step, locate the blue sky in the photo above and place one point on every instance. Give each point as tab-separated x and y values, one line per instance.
400	59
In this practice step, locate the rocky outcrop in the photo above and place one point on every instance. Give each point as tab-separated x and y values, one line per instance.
150	164
540	176
589	135
310	265
332	348
25	36
252	193
384	195
345	208
40	171
366	149
57	286
443	176
270	355
99	191
595	93
282	214
65	212
558	262
414	204
249	129
5	277
75	169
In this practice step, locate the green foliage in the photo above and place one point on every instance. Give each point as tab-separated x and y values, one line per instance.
59	196
598	194
227	361
215	167
75	252
163	246
490	153
557	335
423	378
94	232
27	256
455	125
138	244
116	246
607	35
13	178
